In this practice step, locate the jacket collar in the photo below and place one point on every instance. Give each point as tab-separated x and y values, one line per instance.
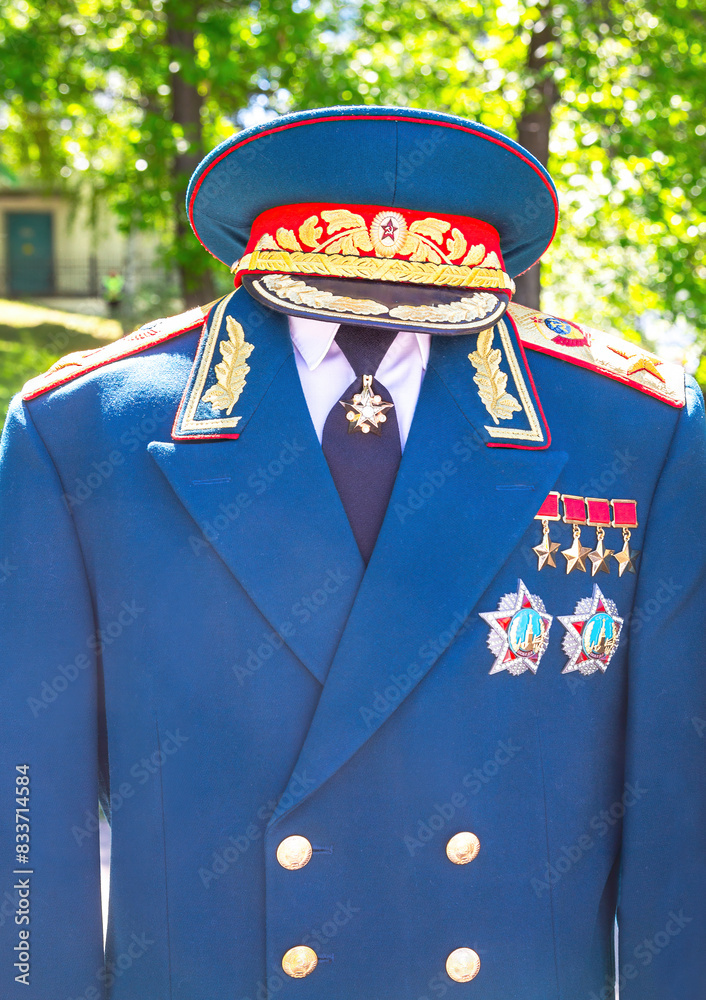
473	475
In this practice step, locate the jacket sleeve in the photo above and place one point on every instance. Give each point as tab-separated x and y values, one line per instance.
662	897
50	912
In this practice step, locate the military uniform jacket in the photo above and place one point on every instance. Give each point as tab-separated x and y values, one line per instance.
189	635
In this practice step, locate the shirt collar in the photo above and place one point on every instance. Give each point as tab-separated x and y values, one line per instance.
313	339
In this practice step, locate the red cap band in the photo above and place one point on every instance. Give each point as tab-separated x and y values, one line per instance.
375	243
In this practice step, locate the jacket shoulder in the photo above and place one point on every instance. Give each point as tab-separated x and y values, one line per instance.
601	352
71	366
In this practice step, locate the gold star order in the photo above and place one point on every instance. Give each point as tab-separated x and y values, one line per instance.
366	411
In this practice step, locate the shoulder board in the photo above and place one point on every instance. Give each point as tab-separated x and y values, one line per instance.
81	362
601	352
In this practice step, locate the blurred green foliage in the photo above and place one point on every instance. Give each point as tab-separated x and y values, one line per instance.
87	104
25	351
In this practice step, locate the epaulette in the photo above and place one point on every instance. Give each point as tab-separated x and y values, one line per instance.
601	352
81	362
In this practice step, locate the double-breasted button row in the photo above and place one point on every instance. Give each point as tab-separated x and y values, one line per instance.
295	852
463	964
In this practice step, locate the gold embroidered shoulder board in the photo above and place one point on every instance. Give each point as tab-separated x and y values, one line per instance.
81	362
601	352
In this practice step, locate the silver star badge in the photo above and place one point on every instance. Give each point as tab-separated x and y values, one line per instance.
519	632
366	411
592	634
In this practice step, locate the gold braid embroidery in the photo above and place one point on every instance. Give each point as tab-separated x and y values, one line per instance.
374	269
491	380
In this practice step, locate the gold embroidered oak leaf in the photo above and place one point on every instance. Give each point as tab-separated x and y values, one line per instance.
419	249
287	240
456	244
341	218
434	229
266	242
352	242
309	232
492	260
475	255
231	371
491	381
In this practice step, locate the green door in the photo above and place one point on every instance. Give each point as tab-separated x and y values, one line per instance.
30	257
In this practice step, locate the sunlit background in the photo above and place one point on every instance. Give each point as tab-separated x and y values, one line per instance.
106	106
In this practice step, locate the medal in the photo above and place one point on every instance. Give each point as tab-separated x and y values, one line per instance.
599	518
519	632
592	634
549	511
625	517
366	411
575	514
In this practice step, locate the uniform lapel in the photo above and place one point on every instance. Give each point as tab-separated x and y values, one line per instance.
459	507
265	501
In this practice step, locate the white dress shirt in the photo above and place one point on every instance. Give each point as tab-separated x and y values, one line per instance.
325	374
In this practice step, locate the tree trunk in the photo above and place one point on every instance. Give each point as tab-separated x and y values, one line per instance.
534	126
192	260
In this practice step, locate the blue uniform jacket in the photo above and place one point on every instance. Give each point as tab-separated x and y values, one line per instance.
189	635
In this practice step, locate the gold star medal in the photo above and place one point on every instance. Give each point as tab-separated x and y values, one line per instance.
599	518
545	551
625	517
575	514
366	411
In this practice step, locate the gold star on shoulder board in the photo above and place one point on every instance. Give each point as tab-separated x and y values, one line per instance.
599	558
576	555
545	552
366	411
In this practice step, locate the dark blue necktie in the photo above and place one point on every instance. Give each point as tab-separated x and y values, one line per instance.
361	439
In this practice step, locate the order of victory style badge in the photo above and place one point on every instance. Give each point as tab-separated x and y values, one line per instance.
592	634
519	631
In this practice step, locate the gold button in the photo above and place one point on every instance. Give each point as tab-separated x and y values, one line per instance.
462	848
294	852
463	965
300	961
